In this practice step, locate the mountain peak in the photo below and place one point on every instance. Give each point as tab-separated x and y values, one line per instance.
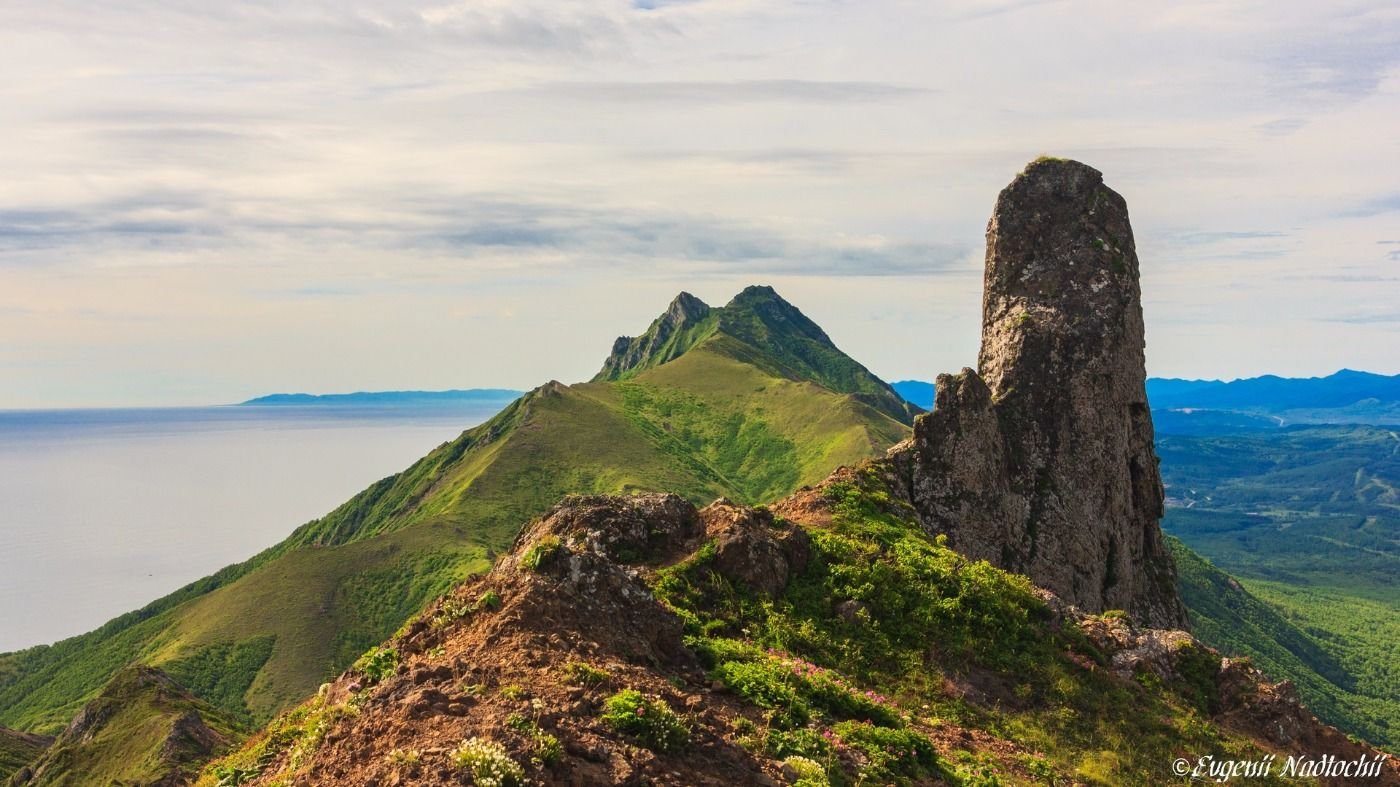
779	337
686	321
687	307
755	293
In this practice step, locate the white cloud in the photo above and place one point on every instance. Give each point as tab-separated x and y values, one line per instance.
300	185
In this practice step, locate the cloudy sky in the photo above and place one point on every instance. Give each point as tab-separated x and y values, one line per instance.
203	201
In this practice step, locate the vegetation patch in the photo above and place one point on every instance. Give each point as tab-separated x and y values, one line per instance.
543	551
651	721
488	763
888	753
584	674
882	604
377	664
221	673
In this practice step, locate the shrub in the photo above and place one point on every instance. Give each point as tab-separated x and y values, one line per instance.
767	685
714	651
488	763
545	746
805	742
652	721
230	776
451	608
405	757
798	690
489	600
586	675
378	664
541	553
889	753
808	773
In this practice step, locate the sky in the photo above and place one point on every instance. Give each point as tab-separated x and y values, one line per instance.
202	202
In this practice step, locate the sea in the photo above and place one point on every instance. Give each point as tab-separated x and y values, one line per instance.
103	511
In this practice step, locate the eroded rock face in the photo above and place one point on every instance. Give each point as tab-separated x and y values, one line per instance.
1041	461
753	548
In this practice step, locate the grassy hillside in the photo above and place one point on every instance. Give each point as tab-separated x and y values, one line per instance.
1307	520
17	750
723	419
142	728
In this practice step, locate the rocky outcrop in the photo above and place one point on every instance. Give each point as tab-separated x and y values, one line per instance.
1041	461
663	340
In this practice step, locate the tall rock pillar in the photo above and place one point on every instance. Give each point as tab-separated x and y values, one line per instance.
1042	460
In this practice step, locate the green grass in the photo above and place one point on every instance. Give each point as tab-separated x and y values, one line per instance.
714	422
298	734
316	605
926	615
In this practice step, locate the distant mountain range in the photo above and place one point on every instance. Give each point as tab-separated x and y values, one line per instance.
1341	389
915	392
1252	403
472	395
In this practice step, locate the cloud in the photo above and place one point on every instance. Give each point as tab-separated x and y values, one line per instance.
146	223
729	92
1374	206
652	5
224	166
702	244
1281	127
1367	318
471	227
1204	237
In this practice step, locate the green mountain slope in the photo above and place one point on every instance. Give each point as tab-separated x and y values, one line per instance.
726	417
788	344
1307	520
141	729
18	749
1339	679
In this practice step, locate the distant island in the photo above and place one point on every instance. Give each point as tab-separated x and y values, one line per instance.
472	395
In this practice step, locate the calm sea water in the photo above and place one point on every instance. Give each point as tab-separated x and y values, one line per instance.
102	511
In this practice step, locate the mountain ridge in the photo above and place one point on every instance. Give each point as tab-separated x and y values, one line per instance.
632	640
715	421
1339	389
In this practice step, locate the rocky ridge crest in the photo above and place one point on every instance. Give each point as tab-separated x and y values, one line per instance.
498	659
